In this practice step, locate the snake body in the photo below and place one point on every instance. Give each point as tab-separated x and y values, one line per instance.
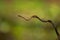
49	21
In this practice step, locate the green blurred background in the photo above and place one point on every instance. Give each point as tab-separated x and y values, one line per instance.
33	29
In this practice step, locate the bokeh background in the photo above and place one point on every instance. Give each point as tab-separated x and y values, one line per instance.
18	29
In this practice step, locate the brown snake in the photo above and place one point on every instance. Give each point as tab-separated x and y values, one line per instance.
49	21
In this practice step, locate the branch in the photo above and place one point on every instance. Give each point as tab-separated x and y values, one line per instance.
49	21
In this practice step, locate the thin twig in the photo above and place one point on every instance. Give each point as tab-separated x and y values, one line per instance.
49	21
